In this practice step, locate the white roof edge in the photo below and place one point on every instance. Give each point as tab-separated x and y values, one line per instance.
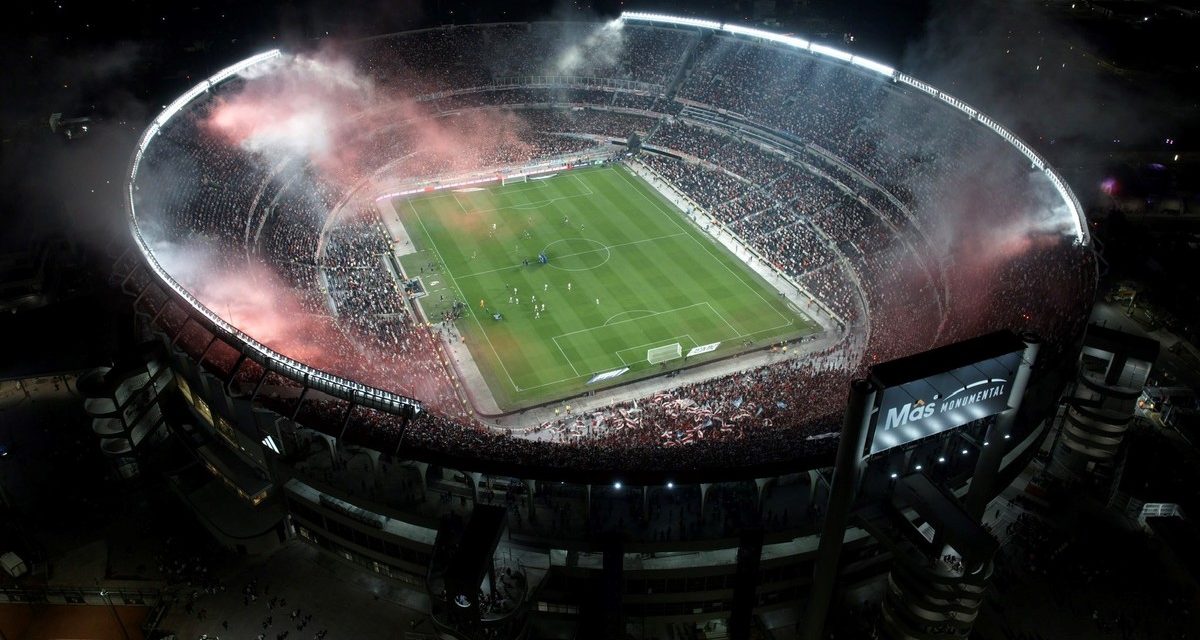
1069	199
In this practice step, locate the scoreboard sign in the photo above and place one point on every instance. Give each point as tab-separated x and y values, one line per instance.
939	390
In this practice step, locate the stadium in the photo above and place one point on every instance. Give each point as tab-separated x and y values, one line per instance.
644	254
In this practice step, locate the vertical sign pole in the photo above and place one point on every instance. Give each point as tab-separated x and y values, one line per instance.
990	456
846	474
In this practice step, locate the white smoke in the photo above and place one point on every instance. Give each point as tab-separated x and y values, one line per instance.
599	50
294	108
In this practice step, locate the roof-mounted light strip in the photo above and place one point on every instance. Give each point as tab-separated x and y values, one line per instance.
1081	235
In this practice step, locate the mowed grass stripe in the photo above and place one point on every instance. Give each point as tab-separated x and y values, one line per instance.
743	298
655	262
688	271
547	365
694	272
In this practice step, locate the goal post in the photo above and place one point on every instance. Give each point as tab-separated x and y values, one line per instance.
505	180
663	354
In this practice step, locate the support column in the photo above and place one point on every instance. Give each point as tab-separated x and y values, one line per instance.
422	467
332	445
813	479
988	466
373	460
761	485
475	478
846	476
531	487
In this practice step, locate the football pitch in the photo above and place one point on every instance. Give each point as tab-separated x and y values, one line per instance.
625	272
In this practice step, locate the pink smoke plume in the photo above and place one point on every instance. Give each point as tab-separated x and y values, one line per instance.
254	299
320	109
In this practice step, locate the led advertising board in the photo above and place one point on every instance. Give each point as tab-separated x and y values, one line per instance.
939	390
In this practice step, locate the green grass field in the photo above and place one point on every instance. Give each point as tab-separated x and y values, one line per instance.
627	272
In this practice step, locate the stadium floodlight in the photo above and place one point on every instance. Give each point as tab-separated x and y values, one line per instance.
800	43
766	35
831	52
665	353
1068	196
659	17
273	360
873	66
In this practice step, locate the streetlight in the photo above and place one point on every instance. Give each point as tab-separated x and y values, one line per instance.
113	609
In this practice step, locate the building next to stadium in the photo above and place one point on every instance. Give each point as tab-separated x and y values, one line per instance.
926	236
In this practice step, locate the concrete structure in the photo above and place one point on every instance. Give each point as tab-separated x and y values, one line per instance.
1113	369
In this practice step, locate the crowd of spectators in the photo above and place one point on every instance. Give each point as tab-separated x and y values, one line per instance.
454	57
846	213
588	121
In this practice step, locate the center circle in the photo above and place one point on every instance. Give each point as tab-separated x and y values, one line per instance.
576	254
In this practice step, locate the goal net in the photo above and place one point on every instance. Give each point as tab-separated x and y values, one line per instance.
513	179
663	354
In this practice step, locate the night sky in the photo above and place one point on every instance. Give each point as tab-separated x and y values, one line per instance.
1086	92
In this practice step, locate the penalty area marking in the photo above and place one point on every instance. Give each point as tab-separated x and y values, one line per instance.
663	343
613	324
454	282
527	206
706	246
645	311
604	247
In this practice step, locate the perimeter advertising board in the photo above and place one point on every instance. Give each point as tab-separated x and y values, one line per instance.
932	392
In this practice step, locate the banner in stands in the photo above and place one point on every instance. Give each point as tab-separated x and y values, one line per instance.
607	375
704	348
914	403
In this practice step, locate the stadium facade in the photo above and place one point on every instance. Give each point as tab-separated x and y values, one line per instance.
845	178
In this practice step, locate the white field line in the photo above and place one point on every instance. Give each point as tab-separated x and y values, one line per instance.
461	295
583	184
722	318
508	188
625	312
605	326
572	255
519	207
672	217
668	214
566	357
656	313
538	205
513	188
664	343
454	279
737	334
